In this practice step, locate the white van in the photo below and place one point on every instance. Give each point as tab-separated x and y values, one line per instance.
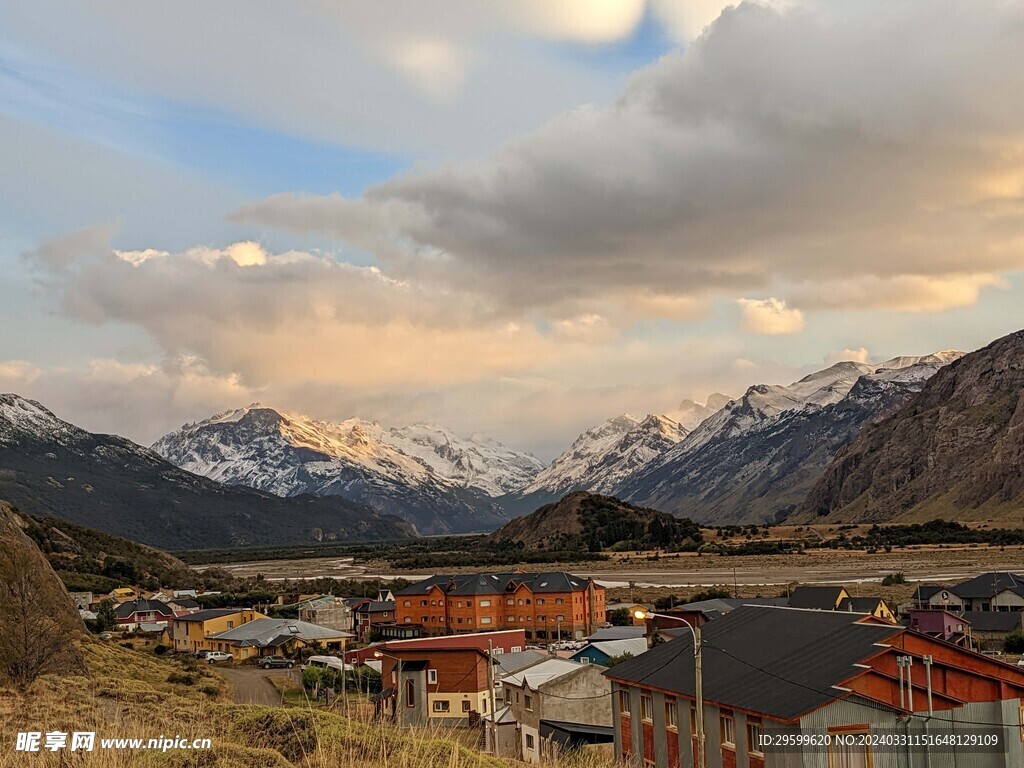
327	662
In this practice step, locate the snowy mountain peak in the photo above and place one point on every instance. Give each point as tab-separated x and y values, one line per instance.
600	457
691	413
288	453
21	416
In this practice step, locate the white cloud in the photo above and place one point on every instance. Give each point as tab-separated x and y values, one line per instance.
770	316
859	355
16	373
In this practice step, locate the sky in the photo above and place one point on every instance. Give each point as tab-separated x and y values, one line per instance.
517	218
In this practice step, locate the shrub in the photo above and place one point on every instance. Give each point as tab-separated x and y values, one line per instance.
893	579
160	649
1014	642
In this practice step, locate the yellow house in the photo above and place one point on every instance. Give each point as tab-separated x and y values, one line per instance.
191	630
875	606
122	594
264	636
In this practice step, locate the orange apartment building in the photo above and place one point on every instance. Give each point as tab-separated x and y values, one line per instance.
548	605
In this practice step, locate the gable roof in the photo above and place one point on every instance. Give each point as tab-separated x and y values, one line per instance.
823	598
631	645
507	663
989	585
274	632
926	591
992	621
535	676
780	662
209	613
141	605
498	583
859	604
375	606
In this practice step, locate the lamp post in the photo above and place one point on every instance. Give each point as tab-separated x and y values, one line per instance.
698	678
398	683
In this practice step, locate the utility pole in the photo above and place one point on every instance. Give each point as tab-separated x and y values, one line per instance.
698	685
490	688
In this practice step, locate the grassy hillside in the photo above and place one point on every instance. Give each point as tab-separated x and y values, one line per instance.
590	522
130	694
95	561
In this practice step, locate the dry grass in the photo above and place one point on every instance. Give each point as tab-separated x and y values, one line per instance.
128	694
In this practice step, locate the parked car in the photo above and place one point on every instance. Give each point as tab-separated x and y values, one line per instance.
214	656
327	662
200	654
275	662
106	636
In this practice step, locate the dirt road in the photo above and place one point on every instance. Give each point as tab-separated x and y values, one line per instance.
250	685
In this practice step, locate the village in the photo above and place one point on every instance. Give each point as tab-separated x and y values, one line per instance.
533	665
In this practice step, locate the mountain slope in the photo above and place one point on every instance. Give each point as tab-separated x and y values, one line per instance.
87	560
110	483
287	455
38	620
954	450
755	460
588	521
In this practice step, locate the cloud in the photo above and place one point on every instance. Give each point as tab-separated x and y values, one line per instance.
859	355
770	317
770	152
16	373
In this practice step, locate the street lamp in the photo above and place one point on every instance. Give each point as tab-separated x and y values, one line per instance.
398	683
698	677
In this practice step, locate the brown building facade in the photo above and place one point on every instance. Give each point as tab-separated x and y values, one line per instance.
548	605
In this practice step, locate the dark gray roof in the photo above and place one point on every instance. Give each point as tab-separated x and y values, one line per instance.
822	598
210	613
992	621
859	604
507	663
989	585
925	591
780	662
617	633
185	602
124	610
376	606
568	734
498	583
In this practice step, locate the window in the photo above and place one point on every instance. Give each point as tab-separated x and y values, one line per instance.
407	603
510	618
540	601
231	624
727	729
520	601
408	619
496	651
485	619
485	603
528	702
529	741
755	730
432	676
465	706
584	660
693	721
410	693
542	618
515	649
671	714
849	752
424	619
646	707
423	602
559	601
560	617
510	601
442	706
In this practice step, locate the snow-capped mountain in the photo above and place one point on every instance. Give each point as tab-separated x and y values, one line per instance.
690	414
600	459
423	473
756	458
50	466
478	461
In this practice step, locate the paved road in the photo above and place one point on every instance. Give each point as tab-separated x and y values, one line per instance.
250	685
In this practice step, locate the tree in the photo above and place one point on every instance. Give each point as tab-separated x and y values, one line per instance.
620	617
33	639
611	661
106	617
